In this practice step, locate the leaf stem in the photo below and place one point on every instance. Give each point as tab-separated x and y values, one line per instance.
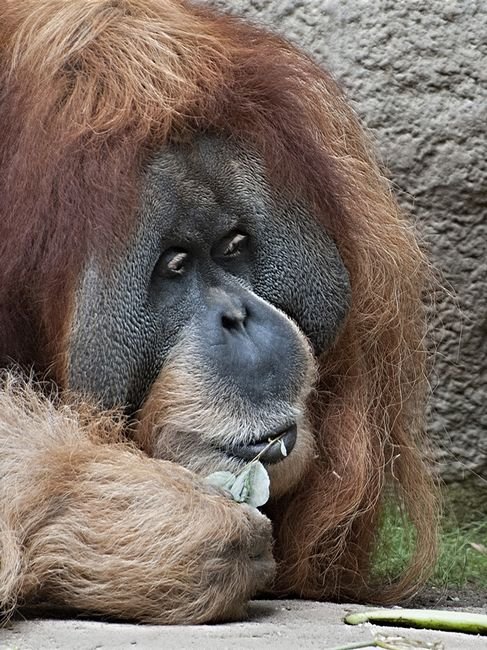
262	451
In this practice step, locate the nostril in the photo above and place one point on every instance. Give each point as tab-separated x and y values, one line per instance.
234	321
229	323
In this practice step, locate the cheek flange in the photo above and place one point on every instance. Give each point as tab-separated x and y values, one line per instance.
299	269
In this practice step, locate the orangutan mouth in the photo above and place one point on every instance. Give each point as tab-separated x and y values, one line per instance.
268	449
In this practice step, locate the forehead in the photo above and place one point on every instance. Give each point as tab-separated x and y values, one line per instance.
190	191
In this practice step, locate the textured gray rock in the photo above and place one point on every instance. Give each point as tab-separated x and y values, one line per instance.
416	73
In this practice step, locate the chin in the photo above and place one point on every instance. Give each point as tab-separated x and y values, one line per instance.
191	450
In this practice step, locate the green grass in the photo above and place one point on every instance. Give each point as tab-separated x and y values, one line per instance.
462	560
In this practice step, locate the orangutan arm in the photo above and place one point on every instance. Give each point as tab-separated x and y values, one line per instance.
94	525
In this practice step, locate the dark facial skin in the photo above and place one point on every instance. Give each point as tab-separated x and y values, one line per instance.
213	255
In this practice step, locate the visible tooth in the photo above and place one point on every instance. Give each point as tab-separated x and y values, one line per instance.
283	448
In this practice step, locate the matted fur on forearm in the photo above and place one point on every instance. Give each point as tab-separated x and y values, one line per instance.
89	522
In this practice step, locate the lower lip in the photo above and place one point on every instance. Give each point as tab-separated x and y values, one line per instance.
273	454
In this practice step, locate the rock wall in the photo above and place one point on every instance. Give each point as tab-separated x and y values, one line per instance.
416	73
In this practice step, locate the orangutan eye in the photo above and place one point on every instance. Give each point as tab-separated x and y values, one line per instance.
177	263
171	263
235	244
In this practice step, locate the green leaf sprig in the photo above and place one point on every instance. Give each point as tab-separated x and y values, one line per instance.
251	484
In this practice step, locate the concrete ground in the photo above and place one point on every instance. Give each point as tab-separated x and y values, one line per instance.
280	625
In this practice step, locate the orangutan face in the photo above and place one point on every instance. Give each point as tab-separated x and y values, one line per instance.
208	328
